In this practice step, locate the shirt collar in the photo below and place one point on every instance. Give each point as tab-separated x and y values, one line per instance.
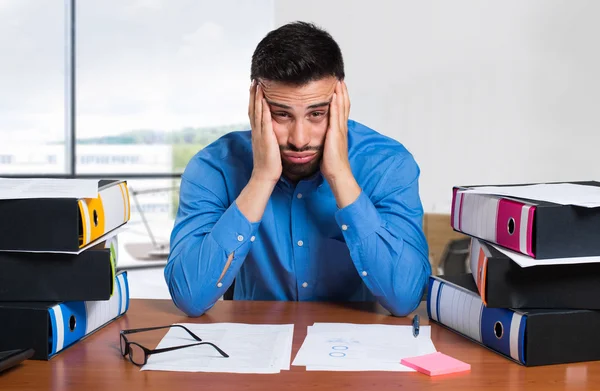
305	185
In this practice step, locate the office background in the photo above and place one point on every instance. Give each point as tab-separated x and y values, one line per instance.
480	92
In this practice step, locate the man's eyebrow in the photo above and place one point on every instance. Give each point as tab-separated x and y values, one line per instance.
321	104
313	106
279	105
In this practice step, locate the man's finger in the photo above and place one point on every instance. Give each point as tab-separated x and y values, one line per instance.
340	106
258	108
251	103
266	124
333	113
346	101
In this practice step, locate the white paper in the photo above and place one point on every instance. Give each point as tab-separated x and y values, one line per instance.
286	360
354	347
526	261
558	193
380	367
251	349
101	239
21	188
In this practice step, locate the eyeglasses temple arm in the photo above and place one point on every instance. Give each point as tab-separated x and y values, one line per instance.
222	353
131	331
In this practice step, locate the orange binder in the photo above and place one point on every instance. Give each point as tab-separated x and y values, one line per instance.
63	224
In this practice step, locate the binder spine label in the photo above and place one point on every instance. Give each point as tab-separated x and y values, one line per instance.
101	312
115	206
476	215
456	309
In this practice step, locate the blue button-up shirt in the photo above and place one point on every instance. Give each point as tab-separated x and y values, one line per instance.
305	247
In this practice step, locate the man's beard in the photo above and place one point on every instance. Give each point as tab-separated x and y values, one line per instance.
298	171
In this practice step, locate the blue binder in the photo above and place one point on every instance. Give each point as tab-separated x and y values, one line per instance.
529	337
50	327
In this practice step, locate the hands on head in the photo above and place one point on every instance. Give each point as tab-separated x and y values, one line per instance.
265	145
335	161
265	148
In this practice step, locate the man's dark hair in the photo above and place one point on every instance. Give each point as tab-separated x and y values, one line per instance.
297	53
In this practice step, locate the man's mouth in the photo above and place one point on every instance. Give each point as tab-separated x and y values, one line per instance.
299	157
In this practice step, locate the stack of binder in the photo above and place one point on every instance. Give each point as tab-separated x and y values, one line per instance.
533	294
58	258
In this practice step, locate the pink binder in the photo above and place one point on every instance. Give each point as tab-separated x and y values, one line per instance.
539	229
506	222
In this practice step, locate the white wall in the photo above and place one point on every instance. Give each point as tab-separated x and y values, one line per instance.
480	92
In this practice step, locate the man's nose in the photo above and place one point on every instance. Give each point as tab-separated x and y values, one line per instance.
299	135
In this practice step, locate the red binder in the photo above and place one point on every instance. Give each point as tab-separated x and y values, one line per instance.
539	229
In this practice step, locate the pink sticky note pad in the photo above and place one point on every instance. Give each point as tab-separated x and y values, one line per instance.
436	364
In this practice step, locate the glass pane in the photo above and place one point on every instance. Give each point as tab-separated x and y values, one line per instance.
32	87
137	354
123	344
145	242
157	80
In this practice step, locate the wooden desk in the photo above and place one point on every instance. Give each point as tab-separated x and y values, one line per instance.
96	363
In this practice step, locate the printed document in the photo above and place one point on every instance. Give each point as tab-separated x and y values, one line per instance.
251	348
359	347
21	188
558	193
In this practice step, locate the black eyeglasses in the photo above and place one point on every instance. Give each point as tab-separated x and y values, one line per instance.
138	354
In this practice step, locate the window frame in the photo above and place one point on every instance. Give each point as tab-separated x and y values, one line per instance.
70	81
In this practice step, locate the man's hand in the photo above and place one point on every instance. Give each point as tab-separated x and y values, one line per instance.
253	199
265	149
335	165
335	151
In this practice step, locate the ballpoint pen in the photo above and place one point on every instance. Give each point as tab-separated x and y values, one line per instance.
415	324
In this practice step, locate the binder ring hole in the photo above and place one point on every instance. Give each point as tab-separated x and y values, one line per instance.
95	218
511	225
72	323
498	330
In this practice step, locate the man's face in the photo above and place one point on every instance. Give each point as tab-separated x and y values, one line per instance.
300	121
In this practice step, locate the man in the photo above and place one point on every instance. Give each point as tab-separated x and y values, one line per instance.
308	205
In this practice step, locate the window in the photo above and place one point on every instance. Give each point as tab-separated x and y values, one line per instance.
158	80
32	87
129	89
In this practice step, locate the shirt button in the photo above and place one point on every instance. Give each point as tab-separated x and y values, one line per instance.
220	284
299	195
240	238
344	227
364	273
300	243
252	238
304	284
